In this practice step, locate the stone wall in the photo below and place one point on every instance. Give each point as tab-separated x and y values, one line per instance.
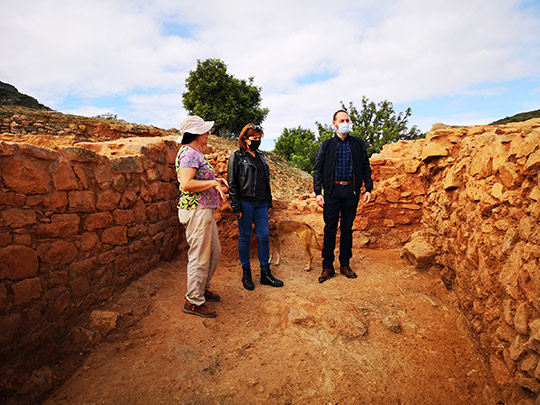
480	222
77	224
398	197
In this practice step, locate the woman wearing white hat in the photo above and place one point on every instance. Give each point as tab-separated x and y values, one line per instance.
200	191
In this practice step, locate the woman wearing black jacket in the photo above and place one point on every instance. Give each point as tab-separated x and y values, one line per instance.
251	201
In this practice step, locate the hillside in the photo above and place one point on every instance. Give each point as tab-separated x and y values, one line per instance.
10	96
524	116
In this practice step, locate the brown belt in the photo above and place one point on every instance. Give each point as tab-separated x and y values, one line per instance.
343	183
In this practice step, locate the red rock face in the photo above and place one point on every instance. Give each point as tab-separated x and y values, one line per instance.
26	176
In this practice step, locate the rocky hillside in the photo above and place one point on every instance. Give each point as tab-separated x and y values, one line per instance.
524	116
10	96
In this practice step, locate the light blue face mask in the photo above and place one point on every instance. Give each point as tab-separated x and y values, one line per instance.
344	128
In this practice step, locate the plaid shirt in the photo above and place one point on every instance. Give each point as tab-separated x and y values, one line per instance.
343	161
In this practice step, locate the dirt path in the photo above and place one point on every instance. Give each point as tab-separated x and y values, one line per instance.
305	343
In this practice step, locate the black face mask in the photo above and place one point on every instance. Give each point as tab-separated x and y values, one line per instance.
254	145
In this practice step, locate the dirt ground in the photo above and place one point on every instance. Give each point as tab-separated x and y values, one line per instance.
391	336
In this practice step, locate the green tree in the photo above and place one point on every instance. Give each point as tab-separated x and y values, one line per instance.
298	146
378	124
215	95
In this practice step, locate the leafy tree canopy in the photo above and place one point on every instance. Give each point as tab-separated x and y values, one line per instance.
217	96
378	124
298	146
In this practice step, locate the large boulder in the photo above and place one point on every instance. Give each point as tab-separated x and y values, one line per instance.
419	252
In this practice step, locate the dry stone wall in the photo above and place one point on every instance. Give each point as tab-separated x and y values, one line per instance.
77	224
479	188
398	197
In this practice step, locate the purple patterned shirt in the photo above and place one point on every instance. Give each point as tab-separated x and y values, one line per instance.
189	157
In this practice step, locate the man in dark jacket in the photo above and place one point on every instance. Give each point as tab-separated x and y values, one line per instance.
341	168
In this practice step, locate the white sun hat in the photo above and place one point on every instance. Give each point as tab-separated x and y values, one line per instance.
194	124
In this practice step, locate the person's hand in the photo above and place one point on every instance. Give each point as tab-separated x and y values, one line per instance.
221	190
320	200
223	183
238	215
367	197
269	210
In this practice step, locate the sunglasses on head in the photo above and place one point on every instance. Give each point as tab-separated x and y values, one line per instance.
256	127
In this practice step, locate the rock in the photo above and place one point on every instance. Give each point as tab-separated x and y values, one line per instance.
127	164
530	383
508	312
518	349
17	261
392	324
26	176
451	181
361	240
433	150
529	363
345	325
448	276
41	380
521	319
82	336
103	321
534	327
533	162
419	253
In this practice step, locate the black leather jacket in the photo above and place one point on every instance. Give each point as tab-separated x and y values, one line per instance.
242	178
325	165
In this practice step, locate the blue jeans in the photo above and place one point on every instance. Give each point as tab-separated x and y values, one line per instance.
339	207
254	212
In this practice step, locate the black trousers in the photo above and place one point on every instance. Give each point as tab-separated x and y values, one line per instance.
340	204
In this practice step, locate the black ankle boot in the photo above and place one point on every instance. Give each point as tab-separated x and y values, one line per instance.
268	279
246	279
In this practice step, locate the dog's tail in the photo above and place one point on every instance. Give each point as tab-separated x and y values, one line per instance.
314	237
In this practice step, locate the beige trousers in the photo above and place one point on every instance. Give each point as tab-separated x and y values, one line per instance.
204	250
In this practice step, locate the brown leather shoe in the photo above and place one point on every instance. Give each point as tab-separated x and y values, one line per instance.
347	272
200	310
326	274
211	297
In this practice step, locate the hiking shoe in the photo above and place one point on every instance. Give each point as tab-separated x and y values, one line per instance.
200	310
211	297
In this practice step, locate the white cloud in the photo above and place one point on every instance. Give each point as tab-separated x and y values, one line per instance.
401	50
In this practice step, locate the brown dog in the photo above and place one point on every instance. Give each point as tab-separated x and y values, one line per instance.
280	229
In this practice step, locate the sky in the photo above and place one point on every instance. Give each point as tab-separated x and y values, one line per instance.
459	62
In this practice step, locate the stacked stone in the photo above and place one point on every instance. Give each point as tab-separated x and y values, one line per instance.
25	122
398	197
76	227
482	217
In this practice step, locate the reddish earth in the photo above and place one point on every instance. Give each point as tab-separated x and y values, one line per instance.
305	343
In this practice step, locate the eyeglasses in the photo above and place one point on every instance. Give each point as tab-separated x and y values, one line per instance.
256	127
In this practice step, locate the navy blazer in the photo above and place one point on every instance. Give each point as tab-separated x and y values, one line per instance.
325	165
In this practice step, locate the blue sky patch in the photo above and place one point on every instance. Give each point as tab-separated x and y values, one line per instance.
172	29
315	77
